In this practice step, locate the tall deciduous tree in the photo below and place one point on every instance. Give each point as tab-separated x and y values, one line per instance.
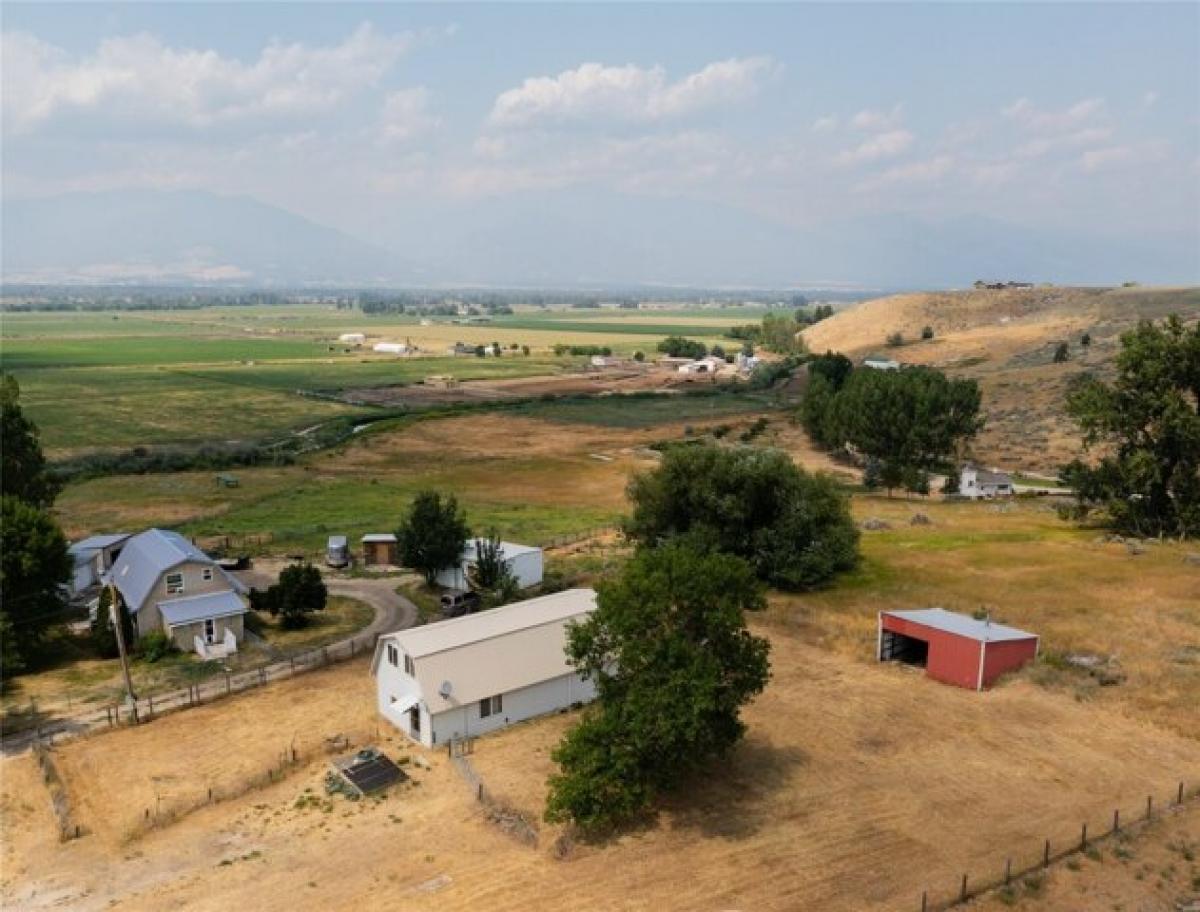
490	572
1147	425
34	568
22	465
673	664
432	534
794	528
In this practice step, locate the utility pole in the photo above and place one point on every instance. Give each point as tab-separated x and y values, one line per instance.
115	607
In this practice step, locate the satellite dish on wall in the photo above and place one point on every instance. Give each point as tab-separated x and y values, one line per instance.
445	690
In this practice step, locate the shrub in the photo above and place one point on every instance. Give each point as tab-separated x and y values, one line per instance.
639	357
1062	353
895	340
927	333
680	347
155	646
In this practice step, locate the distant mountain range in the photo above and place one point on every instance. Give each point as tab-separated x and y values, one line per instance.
592	240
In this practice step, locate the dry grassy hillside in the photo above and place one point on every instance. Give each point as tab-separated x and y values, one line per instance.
1006	340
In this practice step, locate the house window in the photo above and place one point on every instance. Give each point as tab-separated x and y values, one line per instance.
491	706
206	574
174	583
393	654
408	666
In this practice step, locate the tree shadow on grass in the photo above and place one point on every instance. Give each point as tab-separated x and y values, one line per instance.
733	797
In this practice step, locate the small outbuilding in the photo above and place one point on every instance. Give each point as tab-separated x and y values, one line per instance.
977	483
380	549
524	562
953	648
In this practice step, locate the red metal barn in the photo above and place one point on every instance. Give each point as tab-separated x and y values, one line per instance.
954	648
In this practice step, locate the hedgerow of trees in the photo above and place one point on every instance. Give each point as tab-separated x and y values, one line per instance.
673	664
1146	425
681	347
903	423
793	528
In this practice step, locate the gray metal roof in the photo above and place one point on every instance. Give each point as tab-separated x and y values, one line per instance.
507	549
949	621
379	537
147	556
198	607
94	543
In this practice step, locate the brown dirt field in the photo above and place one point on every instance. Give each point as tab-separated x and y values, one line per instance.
849	794
1006	341
1156	870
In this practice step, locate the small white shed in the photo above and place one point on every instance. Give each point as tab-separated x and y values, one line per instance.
524	562
475	674
390	348
352	338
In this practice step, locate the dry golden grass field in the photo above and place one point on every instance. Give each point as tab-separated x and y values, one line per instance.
858	787
1006	340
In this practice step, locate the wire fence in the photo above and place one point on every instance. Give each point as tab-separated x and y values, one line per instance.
1023	869
499	811
299	752
42	728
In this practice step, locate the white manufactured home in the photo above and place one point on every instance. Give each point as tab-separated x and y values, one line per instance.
475	674
524	562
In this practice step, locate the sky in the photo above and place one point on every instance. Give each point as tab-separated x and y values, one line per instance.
446	133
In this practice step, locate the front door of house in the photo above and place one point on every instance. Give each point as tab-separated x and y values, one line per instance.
210	630
414	720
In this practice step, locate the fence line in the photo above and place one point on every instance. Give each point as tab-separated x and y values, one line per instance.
291	756
1049	852
146	709
498	811
59	800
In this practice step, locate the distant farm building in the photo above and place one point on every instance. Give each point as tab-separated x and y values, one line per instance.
167	583
352	338
977	483
380	550
390	348
524	562
702	366
478	673
883	364
953	648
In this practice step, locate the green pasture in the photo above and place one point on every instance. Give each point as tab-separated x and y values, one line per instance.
644	411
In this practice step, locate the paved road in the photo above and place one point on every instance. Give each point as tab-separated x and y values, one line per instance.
392	612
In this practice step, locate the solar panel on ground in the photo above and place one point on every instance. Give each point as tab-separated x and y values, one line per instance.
373	774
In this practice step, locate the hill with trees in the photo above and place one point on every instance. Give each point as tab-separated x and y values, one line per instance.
1010	341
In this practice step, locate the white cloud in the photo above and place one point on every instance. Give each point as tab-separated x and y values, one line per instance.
405	115
1036	148
627	93
878	120
1028	114
1122	155
825	124
884	145
919	172
138	76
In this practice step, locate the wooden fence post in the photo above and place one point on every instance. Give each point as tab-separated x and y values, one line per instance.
1149	806
1179	797
1046	855
1007	871
924	900
1083	838
1116	820
962	894
228	684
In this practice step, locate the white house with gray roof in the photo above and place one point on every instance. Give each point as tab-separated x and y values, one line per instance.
975	483
167	583
475	674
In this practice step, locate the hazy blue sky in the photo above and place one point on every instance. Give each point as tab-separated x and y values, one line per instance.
392	122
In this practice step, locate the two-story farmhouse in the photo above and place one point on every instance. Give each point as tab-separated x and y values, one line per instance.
167	583
475	674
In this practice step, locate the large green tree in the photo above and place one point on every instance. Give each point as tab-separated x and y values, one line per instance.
905	422
1146	425
23	471
298	592
794	528
432	534
34	568
673	664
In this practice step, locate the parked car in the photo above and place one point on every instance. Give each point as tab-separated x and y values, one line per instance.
457	602
337	552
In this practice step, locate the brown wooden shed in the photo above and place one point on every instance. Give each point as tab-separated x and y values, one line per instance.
379	549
